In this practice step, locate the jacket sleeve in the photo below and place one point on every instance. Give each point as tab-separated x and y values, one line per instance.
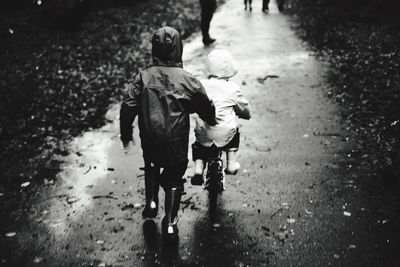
242	107
203	106
129	108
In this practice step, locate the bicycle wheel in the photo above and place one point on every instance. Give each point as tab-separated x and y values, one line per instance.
214	185
212	196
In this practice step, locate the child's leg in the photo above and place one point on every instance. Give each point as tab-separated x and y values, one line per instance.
198	157
198	166
198	154
171	181
151	178
232	165
231	148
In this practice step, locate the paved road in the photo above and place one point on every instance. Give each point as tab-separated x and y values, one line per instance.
286	207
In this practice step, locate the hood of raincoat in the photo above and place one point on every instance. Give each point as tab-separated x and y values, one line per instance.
220	64
167	47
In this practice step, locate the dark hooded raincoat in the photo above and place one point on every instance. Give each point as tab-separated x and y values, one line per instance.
163	96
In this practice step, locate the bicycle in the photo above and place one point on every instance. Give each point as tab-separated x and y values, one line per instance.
214	177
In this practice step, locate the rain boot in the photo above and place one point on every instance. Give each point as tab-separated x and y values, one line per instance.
151	186
170	221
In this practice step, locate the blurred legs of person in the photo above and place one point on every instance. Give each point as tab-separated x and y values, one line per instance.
281	4
208	8
245	5
265	6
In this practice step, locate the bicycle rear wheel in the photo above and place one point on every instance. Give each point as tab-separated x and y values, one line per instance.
212	198
214	185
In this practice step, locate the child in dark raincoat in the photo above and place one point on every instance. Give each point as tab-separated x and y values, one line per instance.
163	96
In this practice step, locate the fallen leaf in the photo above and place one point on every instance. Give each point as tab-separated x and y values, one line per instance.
38	259
11	234
281	236
26	184
291	220
351	246
216	225
71	200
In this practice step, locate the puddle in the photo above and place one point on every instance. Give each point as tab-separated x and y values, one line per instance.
86	165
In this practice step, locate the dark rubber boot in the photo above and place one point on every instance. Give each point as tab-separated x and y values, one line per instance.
170	221
152	187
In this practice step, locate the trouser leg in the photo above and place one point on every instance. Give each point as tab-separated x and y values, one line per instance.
199	157
171	178
265	5
281	4
231	148
205	24
172	203
207	11
151	181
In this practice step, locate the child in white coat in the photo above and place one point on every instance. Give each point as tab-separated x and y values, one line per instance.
229	102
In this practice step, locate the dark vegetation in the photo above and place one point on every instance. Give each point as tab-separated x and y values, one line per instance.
62	63
65	61
361	40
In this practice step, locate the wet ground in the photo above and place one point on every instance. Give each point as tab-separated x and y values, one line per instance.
295	201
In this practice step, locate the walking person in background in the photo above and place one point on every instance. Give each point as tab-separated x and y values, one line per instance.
163	96
245	5
280	3
208	8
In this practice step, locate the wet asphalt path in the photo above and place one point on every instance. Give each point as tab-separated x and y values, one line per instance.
280	210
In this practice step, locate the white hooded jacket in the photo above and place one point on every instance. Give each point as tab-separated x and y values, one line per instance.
228	100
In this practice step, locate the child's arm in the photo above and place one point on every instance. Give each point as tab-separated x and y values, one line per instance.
242	107
129	109
203	106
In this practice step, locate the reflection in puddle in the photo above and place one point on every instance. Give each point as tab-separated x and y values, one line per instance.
298	56
86	164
